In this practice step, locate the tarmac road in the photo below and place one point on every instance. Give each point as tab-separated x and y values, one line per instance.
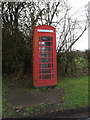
77	113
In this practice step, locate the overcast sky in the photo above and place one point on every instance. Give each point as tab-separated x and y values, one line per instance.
82	43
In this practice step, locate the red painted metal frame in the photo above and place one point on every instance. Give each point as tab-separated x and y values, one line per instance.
37	81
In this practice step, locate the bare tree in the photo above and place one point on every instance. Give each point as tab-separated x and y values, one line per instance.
69	27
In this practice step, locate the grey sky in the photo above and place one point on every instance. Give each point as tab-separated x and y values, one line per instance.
82	43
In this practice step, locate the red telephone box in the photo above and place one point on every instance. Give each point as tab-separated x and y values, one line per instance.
44	56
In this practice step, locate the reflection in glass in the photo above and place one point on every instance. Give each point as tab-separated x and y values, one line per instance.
39	38
39	43
45	60
39	65
45	65
44	38
46	49
52	76
46	76
45	54
39	70
52	70
46	70
46	43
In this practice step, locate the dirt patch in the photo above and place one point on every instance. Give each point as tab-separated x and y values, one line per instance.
18	96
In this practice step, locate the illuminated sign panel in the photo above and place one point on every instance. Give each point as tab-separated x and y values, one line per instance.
44	30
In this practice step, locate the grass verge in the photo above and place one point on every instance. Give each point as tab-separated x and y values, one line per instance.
76	92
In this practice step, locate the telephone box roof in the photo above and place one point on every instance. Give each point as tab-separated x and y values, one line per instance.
45	26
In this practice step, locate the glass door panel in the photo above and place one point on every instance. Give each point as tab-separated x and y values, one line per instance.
45	57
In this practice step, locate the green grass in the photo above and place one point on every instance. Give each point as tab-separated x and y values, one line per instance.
28	111
25	114
34	109
76	92
42	106
7	109
9	114
0	104
5	83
